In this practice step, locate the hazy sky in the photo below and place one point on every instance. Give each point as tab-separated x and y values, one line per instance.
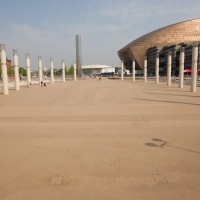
47	28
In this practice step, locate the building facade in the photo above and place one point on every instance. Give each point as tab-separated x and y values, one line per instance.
183	32
175	53
8	63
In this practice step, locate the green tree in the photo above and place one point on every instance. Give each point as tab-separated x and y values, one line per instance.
10	72
70	71
22	71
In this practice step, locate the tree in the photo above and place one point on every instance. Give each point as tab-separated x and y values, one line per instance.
22	71
70	71
10	72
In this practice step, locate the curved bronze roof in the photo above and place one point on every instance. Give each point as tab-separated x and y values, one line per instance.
187	32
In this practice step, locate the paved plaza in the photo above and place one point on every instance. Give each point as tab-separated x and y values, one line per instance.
100	140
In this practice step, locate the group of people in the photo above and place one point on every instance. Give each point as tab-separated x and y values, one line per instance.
43	84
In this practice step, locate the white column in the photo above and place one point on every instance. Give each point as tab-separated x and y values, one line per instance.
122	70
16	69
51	70
169	66
194	68
145	69
181	67
40	69
133	70
28	65
63	71
74	71
157	69
4	69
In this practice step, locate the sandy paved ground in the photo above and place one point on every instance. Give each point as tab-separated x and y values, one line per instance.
107	140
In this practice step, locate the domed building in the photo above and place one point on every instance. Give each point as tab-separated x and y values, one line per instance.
182	32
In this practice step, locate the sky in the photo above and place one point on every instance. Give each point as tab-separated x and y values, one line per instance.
47	28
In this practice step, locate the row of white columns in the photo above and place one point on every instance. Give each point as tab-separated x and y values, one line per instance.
169	63
16	70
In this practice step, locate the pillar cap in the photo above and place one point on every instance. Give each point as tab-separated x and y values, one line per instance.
15	52
27	55
2	47
182	49
169	53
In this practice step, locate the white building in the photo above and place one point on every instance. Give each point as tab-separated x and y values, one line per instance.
97	70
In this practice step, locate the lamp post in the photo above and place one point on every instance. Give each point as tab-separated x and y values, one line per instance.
4	69
16	69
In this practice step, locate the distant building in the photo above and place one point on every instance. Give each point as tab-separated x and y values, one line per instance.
97	70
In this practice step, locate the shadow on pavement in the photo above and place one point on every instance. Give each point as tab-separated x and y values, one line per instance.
161	144
170	94
165	89
175	102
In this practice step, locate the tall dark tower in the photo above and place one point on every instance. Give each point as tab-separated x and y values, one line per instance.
78	55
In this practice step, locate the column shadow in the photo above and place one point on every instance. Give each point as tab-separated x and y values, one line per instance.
165	89
162	143
173	102
167	94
